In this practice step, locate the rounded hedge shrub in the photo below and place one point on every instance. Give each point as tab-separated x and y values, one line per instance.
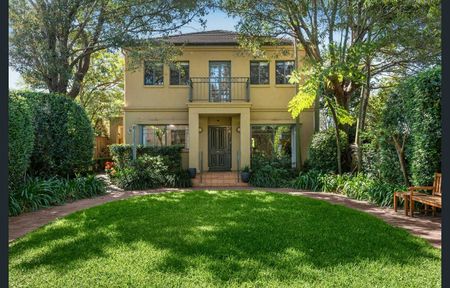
323	152
21	139
64	139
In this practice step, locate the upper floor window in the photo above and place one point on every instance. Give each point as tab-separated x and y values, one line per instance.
283	71
179	73
153	73
259	72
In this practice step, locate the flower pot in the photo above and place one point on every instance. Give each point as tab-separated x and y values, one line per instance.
245	177
192	172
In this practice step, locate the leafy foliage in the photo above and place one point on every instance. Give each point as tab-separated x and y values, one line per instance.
122	154
270	171
46	61
178	179
37	193
310	180
323	152
20	139
145	173
411	117
425	152
349	47
63	142
155	166
101	94
361	186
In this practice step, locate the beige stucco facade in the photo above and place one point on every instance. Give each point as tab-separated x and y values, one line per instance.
170	105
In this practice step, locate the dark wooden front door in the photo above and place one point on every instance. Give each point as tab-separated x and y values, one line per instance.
219	148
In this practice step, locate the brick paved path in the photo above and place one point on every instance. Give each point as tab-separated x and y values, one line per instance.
426	227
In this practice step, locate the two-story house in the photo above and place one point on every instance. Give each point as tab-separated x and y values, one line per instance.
219	101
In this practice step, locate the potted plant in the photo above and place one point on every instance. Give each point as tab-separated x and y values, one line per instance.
192	172
245	174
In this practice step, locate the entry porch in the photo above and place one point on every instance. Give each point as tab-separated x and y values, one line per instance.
219	136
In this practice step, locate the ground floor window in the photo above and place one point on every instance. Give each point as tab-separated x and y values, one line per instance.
163	135
274	140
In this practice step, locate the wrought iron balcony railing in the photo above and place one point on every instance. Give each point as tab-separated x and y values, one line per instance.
219	89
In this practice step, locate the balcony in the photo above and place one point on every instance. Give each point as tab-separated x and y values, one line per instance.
219	89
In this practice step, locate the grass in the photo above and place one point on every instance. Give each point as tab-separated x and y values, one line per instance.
222	238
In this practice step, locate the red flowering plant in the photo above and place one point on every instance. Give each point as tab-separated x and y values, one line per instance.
110	168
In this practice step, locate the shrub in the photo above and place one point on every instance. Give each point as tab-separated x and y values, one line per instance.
21	139
361	186
333	182
122	154
311	180
63	143
37	192
154	167
178	179
323	152
412	111
425	114
270	171
146	172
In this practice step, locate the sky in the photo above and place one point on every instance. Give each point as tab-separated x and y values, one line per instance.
214	21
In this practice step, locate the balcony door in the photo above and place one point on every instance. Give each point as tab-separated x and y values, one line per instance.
219	81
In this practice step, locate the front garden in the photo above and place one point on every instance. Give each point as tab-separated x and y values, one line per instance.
217	239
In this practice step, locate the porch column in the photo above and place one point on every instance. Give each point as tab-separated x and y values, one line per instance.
245	138
193	140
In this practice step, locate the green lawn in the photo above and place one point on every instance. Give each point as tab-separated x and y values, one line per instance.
216	239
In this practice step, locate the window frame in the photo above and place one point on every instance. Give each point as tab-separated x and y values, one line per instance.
172	68
148	62
273	126
284	71
259	72
168	128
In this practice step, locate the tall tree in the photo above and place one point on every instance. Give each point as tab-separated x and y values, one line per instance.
101	93
52	41
348	44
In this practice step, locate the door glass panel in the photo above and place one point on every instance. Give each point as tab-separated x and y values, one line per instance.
220	82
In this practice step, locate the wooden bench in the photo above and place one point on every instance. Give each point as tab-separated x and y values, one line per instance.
406	197
434	200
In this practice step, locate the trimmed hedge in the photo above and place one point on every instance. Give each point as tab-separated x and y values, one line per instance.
64	139
122	154
21	139
323	152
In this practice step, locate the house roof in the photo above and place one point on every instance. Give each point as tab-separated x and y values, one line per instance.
212	37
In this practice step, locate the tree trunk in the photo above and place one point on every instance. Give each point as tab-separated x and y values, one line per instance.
358	135
401	158
338	140
360	123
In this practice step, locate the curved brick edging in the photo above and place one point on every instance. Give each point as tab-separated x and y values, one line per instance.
427	227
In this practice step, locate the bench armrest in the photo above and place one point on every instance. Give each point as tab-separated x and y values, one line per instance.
413	188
